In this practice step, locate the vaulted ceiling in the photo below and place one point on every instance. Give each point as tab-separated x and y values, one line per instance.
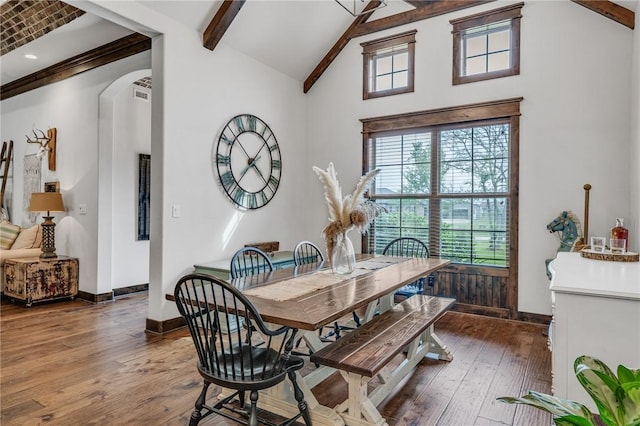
299	38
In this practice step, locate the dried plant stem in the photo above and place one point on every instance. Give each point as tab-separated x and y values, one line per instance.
347	213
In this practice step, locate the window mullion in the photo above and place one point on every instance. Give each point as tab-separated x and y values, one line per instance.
434	200
486	53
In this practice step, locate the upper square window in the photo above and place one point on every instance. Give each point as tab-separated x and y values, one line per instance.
487	45
388	65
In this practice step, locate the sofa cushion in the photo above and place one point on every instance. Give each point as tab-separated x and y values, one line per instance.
8	234
28	238
38	242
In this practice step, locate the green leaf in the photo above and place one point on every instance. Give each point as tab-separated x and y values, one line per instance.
601	384
617	398
626	375
572	421
551	404
629	409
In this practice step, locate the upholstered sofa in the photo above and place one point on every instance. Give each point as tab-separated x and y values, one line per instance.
16	241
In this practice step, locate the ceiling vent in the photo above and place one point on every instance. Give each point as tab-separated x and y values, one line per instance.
140	94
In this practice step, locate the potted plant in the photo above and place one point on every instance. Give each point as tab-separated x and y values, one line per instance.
617	398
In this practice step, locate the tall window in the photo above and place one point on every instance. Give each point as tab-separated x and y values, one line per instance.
487	45
388	65
447	183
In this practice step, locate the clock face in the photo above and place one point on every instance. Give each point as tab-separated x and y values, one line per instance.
248	161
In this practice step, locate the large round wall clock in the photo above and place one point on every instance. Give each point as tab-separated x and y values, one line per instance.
248	161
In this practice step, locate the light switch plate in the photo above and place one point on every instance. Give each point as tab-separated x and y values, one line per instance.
82	209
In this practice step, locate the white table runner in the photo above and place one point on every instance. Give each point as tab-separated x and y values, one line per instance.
305	284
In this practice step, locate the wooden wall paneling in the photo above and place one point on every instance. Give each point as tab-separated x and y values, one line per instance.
481	292
495	299
481	310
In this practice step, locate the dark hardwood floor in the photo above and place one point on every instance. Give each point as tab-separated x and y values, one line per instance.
76	363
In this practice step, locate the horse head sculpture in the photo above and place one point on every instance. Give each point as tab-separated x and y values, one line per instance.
568	226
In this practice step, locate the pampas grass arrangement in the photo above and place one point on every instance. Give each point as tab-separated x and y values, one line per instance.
348	212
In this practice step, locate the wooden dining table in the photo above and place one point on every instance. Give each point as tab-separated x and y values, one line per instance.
309	297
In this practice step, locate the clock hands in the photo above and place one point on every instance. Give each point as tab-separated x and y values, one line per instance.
260	174
251	163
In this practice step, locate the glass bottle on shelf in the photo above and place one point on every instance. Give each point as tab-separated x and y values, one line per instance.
620	232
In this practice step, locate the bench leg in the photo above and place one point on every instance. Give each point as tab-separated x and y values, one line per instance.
435	345
358	409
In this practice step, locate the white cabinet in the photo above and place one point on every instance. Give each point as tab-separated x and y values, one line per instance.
596	312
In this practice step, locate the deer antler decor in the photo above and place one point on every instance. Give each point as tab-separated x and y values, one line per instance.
47	145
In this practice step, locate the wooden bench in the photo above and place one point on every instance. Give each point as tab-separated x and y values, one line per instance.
367	351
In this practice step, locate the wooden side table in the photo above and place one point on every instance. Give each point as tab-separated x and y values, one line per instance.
32	279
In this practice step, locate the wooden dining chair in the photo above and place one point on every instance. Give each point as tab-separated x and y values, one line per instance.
408	247
250	261
228	359
306	252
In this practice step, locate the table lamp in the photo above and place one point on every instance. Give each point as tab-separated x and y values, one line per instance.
47	202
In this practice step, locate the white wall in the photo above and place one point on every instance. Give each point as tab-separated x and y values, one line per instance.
574	129
195	93
71	106
132	136
190	107
198	102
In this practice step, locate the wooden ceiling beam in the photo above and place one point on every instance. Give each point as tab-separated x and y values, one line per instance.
110	52
613	11
418	3
360	27
338	46
221	22
428	10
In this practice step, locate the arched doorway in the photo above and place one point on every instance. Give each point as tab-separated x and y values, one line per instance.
110	168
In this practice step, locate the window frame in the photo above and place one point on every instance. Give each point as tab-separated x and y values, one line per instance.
369	50
460	25
508	109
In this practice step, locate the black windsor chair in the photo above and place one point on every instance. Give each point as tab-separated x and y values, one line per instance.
250	261
408	247
307	252
227	358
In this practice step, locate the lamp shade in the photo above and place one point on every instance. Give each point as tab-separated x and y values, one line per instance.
46	202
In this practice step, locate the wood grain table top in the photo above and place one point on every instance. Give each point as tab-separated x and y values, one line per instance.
324	305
